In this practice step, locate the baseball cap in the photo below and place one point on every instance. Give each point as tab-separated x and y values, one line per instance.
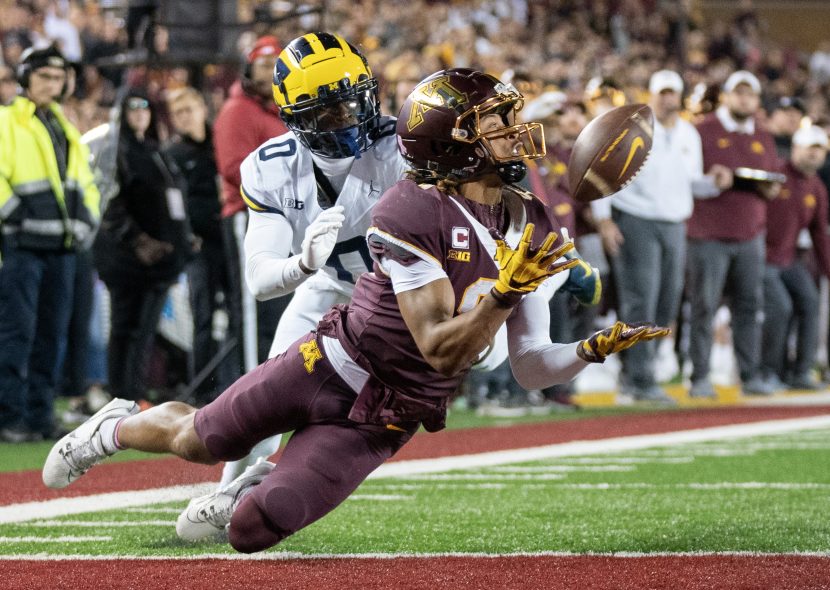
809	136
42	58
544	105
665	80
789	102
267	45
742	77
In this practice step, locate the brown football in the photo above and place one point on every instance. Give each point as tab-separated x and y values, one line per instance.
610	151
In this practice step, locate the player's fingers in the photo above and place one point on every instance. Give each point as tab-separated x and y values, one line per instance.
562	266
324	218
559	253
527	237
317	230
546	246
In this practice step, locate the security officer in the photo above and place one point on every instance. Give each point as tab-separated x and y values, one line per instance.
48	205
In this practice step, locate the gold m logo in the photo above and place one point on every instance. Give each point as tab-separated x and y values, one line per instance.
311	354
635	145
435	93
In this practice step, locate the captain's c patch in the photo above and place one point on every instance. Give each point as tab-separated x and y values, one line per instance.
311	354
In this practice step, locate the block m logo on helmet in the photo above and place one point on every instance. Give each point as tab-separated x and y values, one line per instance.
327	95
435	93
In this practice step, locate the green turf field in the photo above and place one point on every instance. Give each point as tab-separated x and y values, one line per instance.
18	457
767	494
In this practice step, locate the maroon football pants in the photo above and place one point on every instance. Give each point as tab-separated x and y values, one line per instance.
327	458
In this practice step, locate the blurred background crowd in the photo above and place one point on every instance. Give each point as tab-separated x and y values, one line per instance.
572	59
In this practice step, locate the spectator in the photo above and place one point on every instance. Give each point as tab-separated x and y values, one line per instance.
790	293
785	115
726	234
48	206
8	86
207	271
142	245
246	121
643	227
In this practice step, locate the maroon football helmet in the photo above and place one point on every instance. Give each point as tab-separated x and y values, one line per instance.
439	126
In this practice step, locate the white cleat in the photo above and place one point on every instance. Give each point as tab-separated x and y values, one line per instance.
75	453
207	516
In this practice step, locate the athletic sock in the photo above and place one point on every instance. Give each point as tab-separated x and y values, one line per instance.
109	435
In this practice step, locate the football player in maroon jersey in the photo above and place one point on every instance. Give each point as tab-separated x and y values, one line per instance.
454	255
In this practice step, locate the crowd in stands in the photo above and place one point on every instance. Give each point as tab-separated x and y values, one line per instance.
581	56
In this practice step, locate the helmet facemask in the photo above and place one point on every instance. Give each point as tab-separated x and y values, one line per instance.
319	122
510	167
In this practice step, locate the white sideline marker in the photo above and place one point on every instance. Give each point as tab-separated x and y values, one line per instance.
117	500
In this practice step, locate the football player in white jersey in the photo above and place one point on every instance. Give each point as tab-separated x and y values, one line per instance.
310	191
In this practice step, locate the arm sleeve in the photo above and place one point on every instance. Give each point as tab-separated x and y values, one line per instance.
703	186
412	276
536	361
8	200
92	197
601	209
270	270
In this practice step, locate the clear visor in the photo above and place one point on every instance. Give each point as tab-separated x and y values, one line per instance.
339	112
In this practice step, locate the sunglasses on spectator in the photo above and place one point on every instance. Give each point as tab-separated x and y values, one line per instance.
138	103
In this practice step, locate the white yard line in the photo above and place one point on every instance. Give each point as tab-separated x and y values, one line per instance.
65	539
98	502
116	500
107	524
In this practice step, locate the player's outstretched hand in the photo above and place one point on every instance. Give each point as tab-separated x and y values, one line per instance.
522	270
320	238
616	338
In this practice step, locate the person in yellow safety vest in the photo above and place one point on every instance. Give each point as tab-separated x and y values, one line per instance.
49	205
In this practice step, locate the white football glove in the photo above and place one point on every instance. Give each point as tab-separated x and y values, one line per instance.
320	238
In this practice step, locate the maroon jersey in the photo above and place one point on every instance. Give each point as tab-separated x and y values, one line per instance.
739	213
801	204
414	223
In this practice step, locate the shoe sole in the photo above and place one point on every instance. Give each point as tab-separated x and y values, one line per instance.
55	474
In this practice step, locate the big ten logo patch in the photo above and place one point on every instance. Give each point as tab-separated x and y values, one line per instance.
459	256
311	354
294	204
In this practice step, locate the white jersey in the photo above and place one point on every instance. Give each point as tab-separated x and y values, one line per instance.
278	179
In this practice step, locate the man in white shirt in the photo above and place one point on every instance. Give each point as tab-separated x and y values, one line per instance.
643	228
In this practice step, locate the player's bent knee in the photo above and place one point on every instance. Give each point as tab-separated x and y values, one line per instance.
252	530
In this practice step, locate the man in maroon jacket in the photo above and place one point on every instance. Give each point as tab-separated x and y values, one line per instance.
248	118
790	293
726	234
